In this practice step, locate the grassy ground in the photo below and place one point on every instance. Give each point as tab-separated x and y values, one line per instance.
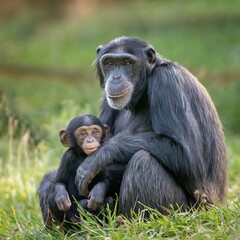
46	78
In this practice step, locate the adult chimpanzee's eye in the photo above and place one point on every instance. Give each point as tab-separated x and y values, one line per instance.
127	62
128	66
109	64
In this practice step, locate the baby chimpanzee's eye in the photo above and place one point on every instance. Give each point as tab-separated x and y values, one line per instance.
95	132
83	134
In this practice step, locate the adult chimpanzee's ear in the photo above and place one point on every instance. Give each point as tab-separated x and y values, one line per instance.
99	48
65	138
107	132
151	55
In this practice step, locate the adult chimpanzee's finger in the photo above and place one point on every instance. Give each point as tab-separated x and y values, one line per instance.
67	203
84	188
90	205
83	178
61	205
94	204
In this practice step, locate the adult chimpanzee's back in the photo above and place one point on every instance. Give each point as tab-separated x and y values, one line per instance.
165	129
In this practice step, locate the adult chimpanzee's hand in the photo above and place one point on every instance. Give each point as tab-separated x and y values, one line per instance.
118	149
84	176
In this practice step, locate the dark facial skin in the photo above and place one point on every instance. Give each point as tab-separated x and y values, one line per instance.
121	73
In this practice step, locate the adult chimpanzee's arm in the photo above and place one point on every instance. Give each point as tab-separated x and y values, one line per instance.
120	149
178	110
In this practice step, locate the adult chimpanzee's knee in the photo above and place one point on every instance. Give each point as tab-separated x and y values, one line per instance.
146	182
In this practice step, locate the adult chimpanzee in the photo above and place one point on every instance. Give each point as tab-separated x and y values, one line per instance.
165	128
83	136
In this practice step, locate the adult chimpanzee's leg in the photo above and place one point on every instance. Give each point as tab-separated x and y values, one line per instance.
146	181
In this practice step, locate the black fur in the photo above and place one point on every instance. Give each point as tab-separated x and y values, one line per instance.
169	136
58	186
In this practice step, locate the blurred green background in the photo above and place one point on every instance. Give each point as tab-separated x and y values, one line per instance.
46	76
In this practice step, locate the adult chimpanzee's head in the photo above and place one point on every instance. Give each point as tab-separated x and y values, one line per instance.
123	66
84	132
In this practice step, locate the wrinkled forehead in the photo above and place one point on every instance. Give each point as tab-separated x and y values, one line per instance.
117	56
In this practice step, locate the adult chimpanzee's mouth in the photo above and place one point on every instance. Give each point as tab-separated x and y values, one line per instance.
117	95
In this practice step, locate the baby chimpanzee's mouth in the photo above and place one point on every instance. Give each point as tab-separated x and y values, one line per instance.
91	150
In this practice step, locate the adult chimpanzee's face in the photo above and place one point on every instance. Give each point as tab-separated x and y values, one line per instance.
121	72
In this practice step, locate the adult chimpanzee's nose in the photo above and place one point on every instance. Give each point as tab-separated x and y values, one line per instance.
116	74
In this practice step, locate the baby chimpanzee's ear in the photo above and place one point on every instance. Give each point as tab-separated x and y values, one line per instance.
65	138
107	132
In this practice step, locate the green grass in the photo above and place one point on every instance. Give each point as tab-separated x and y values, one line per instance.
20	214
35	105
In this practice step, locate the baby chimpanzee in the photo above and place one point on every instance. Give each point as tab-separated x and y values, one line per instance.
83	136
